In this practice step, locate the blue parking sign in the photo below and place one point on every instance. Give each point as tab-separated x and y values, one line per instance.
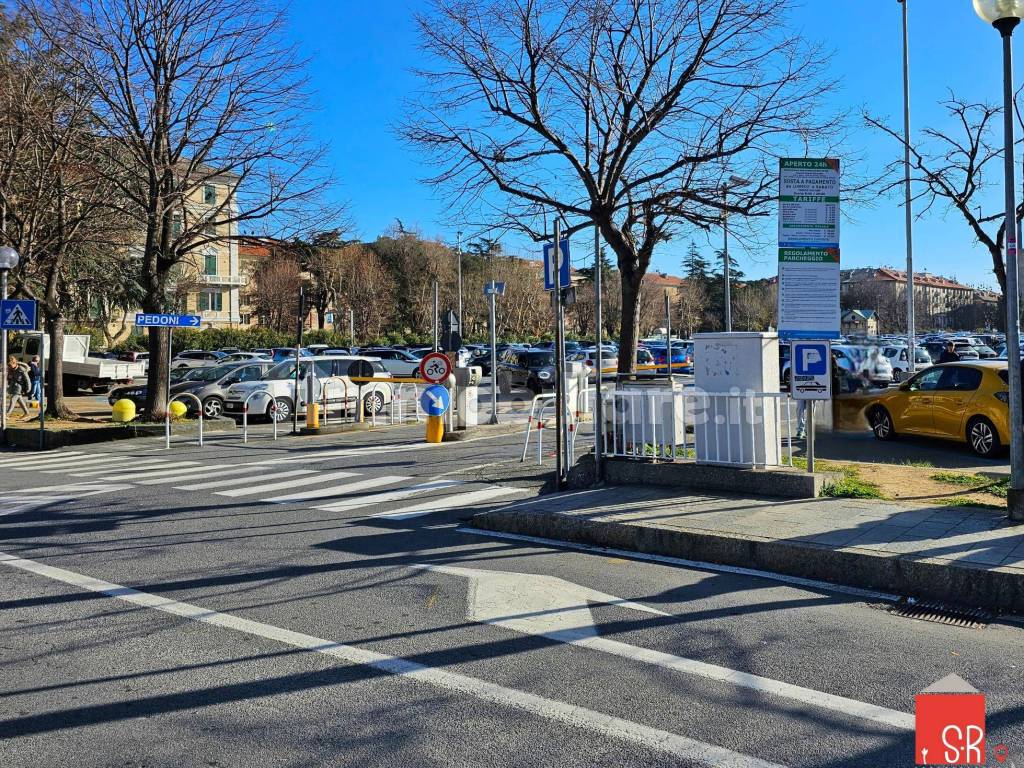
810	363
435	400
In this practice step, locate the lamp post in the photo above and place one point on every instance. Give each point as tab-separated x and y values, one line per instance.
734	181
8	260
908	223
1005	15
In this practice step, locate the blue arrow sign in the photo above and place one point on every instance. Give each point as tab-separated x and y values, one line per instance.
435	400
549	267
167	321
18	314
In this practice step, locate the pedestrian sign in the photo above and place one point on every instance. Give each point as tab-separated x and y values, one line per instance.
810	375
435	400
549	265
143	320
18	314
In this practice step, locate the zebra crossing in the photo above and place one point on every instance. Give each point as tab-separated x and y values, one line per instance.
276	482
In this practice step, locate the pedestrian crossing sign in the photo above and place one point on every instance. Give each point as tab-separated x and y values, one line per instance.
18	314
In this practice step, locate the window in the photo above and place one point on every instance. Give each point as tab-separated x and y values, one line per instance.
176	225
250	373
960	379
210	194
211	301
927	381
210	264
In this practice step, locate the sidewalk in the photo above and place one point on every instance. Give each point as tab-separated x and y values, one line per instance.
970	556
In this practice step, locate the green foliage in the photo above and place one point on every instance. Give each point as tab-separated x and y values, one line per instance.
959	478
849	486
96	340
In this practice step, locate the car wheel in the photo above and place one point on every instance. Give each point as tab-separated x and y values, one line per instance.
504	385
881	424
373	403
213	408
280	409
897	375
982	437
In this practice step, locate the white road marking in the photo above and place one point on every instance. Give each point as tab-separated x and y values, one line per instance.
825	586
338	490
56	469
13	505
254	489
133	465
435	505
215	470
242	480
401	493
28	499
22	458
129	474
80	489
54	463
559	610
696	752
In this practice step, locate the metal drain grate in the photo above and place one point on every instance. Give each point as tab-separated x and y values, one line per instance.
940	613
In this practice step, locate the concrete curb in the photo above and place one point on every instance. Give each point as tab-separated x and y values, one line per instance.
484	430
28	438
999	589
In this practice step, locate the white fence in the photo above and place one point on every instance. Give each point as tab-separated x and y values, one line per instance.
752	429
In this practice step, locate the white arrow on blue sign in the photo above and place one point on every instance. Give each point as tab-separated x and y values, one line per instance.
549	266
18	314
435	400
143	320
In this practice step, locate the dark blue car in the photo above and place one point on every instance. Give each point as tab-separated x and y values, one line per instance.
682	357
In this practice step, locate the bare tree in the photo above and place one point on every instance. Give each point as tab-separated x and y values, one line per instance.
273	292
627	114
56	197
192	96
950	171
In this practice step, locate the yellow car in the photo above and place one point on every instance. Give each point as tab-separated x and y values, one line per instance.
966	401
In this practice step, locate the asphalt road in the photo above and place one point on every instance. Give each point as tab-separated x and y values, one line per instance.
293	604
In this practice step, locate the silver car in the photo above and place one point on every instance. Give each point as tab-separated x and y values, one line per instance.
210	384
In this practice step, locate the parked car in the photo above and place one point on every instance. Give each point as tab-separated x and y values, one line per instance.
533	369
193	358
332	376
137	392
242	357
589	359
965	401
280	354
397	362
962	348
136	357
899	357
682	357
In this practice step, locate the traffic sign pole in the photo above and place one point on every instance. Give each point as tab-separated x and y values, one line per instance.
3	359
556	257
494	357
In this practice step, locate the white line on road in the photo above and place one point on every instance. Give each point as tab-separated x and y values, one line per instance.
252	490
129	474
436	505
338	490
401	493
698	753
35	458
54	463
214	470
133	466
83	488
73	464
242	480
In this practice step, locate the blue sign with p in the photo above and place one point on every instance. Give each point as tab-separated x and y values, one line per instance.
811	359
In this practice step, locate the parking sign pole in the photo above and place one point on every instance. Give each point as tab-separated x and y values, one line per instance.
556	258
810	435
494	356
598	395
3	359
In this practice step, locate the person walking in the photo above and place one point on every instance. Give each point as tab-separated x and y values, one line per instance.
949	354
36	377
18	383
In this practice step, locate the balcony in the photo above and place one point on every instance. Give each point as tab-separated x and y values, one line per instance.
232	280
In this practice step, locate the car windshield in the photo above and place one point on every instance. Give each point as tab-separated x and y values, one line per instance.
539	359
212	373
286	370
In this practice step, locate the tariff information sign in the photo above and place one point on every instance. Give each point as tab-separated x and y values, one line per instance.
808	248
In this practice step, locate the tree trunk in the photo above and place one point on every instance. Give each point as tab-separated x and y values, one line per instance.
321	319
159	362
630	330
56	408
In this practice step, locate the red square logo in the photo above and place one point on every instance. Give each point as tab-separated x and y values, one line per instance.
950	729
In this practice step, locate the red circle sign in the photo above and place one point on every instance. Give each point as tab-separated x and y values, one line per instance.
435	367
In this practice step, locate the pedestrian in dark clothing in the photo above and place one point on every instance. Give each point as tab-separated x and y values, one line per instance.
949	354
36	378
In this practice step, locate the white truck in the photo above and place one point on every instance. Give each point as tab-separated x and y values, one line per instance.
80	370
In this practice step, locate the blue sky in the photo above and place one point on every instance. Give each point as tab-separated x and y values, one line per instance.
362	55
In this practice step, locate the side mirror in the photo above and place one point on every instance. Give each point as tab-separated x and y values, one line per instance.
229	382
905	387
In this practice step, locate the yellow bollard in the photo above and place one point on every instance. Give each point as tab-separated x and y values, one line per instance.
178	409
435	429
123	411
313	416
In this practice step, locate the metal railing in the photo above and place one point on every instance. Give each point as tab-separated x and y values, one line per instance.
167	417
272	410
731	428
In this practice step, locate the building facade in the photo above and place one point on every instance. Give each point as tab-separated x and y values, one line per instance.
938	301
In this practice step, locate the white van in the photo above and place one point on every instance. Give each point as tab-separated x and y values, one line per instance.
330	375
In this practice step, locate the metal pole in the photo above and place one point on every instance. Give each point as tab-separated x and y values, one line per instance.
1015	495
668	334
556	255
435	317
42	390
352	327
3	359
725	262
911	321
459	266
598	402
494	357
298	347
167	407
810	434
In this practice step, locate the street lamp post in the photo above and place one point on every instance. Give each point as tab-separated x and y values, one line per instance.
734	181
908	213
1005	15
8	260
